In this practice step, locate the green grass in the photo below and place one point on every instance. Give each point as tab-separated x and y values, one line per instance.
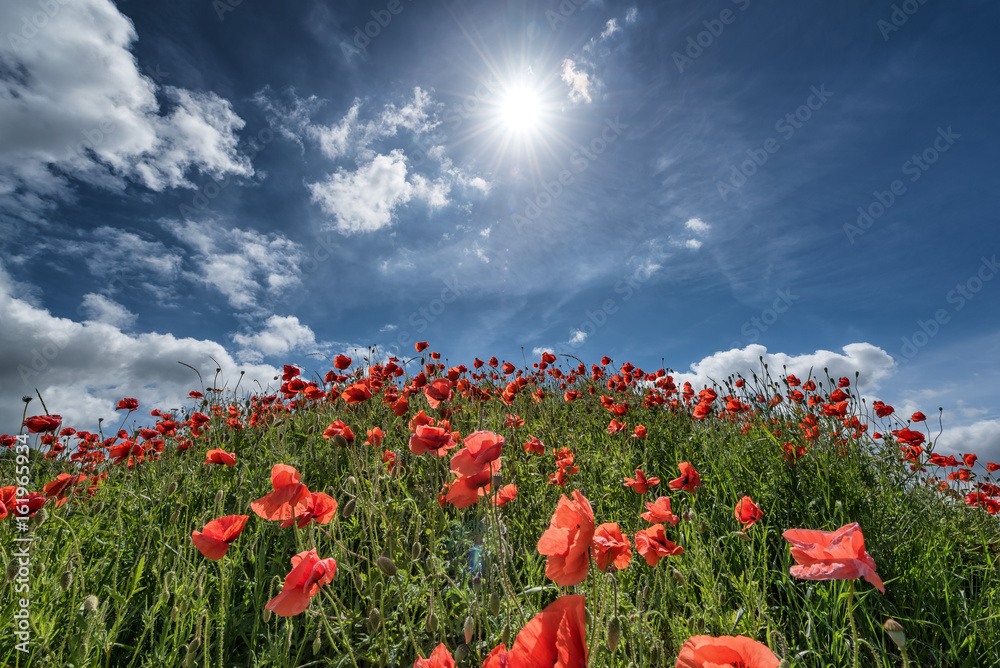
161	603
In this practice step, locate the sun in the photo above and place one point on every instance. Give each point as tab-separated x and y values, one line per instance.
520	109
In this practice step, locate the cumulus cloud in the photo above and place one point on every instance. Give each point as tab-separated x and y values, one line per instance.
693	244
364	200
577	337
578	81
981	438
280	336
875	365
542	349
243	265
697	225
73	102
99	308
83	368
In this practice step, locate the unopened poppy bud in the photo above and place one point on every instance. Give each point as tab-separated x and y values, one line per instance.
340	441
654	654
461	652
374	619
742	535
377	592
194	646
175	516
468	629
39	518
317	645
266	615
65	580
351	481
614	633
494	604
679	577
348	508
219	496
12	567
896	633
174	612
90	603
415	551
359	582
497	480
429	563
431	623
386	565
477	583
171	488
505	636
98	508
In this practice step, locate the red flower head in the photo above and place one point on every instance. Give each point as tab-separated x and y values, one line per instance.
389	457
689	481
611	548
308	574
435	440
640	431
356	393
220	456
652	544
213	541
340	428
512	421
421	346
725	652
321	508
507	493
554	638
64	486
375	437
660	511
832	555
641	484
533	445
747	512
466	490
128	404
42	423
918	417
481	448
970	460
438	391
439	658
615	426
566	542
342	362
290	498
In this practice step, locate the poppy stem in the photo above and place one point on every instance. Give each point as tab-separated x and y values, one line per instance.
850	619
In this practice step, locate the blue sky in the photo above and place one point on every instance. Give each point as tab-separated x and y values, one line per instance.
645	180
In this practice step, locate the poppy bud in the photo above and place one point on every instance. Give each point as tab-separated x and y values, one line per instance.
477	583
351	481
742	535
39	517
348	508
468	629
266	615
415	551
386	565
497	480
11	572
614	633
377	592
174	612
374	619
895	631
219	496
429	563
90	603
65	580
175	516
679	577
98	508
505	636
494	604
359	582
171	488
431	623
194	646
340	441
317	645
461	652
654	654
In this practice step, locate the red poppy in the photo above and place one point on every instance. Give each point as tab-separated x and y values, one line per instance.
506	493
652	544
992	506
213	541
389	458
220	456
641	484
438	391
435	440
356	393
610	548
42	423
554	638
64	486
992	467
918	417
195	394
970	460
421	346
127	404
640	431
659	511
566	542
342	362
533	445
908	436
400	407
321	508
481	447
725	652
439	658
466	490
689	481
512	421
340	428
747	512
615	426
832	555
375	437
308	574
290	498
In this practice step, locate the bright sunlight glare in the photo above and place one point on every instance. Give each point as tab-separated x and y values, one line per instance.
520	109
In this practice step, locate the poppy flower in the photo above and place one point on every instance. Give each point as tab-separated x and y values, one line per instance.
400	407
481	447
918	417
615	426
342	362
747	512
375	437
220	456
321	508
611	548
652	544
725	652
339	428
421	346
566	542
659	511
466	490
832	555
506	493
641	484
308	574
290	498
512	421
356	393
992	506
992	467
970	460
435	440
438	391
554	638
65	485
389	457
41	423
689	481
439	658
640	431
213	541
127	404
533	445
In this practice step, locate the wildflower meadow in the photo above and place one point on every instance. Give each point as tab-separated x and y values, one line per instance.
556	512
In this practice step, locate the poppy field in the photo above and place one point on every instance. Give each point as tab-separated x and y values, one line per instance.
549	513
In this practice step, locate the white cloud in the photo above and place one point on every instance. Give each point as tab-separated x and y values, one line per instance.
76	104
101	309
363	201
388	328
693	244
485	233
435	193
542	349
632	15
243	265
697	225
281	335
578	81
980	438
610	29
577	337
83	368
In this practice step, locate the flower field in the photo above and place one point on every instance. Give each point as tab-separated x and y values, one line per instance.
553	513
